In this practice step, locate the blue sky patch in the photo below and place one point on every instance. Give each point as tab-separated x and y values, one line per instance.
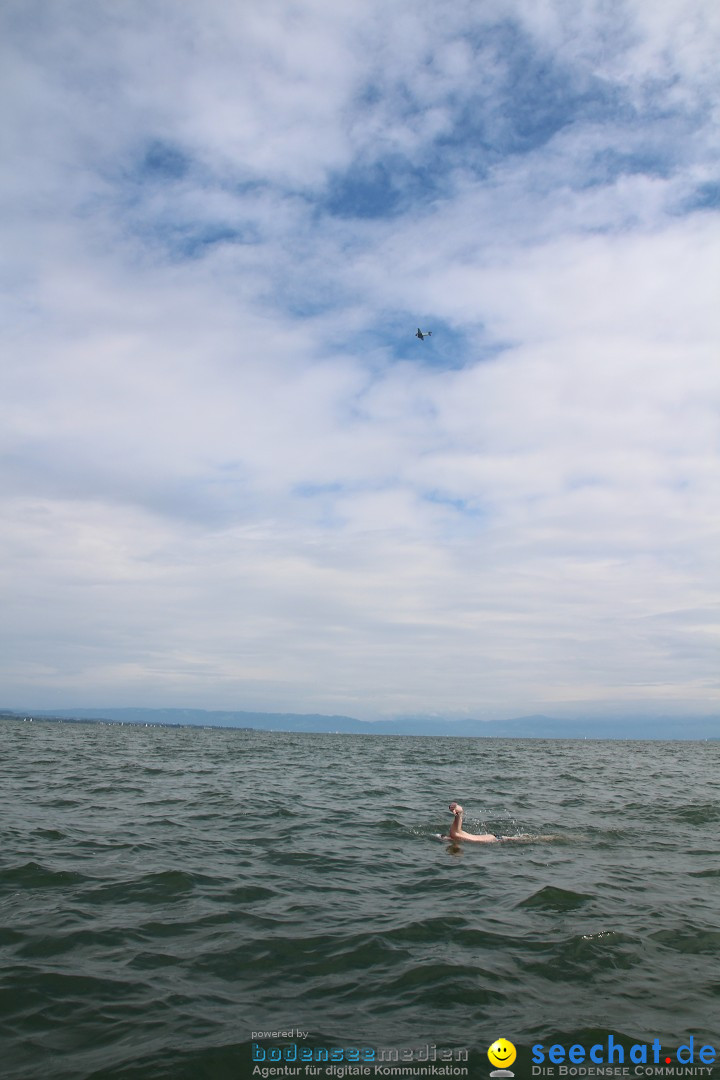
705	197
467	507
534	96
163	161
383	189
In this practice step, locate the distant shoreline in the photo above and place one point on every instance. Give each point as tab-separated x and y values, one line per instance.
695	729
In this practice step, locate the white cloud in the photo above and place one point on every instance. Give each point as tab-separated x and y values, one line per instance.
229	478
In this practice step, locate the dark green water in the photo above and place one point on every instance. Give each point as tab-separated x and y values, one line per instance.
166	893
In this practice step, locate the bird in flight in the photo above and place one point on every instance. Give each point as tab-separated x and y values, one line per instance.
422	334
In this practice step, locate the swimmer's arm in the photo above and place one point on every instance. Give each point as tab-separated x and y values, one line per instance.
456	829
458	833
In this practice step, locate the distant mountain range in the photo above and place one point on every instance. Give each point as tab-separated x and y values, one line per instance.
521	727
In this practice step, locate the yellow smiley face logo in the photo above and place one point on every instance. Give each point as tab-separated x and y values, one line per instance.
502	1053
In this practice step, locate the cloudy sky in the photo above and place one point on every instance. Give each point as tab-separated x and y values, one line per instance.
231	477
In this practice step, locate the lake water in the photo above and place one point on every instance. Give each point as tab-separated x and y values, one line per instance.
170	896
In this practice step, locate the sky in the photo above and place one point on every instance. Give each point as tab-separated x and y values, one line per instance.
231	477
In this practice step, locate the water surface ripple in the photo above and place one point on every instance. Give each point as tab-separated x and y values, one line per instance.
166	892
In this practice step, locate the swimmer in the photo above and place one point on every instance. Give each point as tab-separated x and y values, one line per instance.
458	833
